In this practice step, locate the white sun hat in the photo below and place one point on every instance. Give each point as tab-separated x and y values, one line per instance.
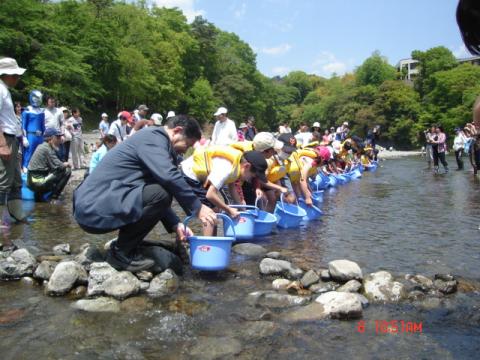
9	66
221	110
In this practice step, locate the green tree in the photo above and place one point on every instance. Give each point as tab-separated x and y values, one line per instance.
375	70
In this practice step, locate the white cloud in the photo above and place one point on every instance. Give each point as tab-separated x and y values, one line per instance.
280	70
277	50
187	7
326	64
240	12
461	52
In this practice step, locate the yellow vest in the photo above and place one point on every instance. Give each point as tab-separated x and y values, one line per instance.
243	145
276	170
312	144
202	161
295	168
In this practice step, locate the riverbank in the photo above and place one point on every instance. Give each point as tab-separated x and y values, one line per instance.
394	154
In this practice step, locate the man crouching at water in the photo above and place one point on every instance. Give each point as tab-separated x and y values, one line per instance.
132	187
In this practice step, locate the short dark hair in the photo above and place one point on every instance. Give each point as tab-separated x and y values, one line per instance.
468	16
50	97
75	110
191	128
109	139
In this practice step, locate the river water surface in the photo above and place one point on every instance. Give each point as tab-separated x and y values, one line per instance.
401	219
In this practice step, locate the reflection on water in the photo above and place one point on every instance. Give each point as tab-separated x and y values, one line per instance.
401	218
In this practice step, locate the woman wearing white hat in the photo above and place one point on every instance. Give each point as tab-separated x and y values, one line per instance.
10	176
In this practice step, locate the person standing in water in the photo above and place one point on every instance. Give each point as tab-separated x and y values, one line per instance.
439	148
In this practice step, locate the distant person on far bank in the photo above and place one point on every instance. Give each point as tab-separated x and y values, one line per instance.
74	125
46	172
104	126
304	136
118	128
342	132
141	113
242	130
225	131
251	129
284	128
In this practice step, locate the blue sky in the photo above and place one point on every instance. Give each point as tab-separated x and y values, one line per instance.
327	36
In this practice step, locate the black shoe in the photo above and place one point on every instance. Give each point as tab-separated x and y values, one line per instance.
120	261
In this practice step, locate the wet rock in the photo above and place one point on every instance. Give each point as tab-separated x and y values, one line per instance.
310	312
363	300
101	304
44	270
423	282
274	299
144	275
351	286
136	304
64	277
78	292
53	258
468	285
108	244
324	287
325	275
88	255
144	286
215	348
344	270
163	258
274	255
296	288
121	285
340	305
62	249
279	267
309	278
445	277
254	330
431	303
280	284
249	249
445	287
27	280
99	273
163	284
416	295
19	263
380	287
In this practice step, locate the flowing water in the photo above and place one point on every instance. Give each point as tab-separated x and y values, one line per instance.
401	219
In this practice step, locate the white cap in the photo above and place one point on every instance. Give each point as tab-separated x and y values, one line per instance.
221	110
104	115
9	66
157	119
265	140
345	123
316	124
170	114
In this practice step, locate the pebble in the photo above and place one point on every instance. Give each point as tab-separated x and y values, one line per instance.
279	267
121	285
274	299
144	275
19	263
351	286
344	270
280	284
165	283
323	287
309	278
99	273
340	305
101	304
64	277
248	249
62	249
274	255
44	270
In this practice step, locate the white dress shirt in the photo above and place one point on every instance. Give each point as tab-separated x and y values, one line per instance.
8	121
224	133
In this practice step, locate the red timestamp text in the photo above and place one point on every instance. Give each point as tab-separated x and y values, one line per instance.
392	327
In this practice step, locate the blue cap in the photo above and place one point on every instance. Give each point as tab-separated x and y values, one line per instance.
49	132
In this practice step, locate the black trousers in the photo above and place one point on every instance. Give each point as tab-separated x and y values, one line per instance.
156	202
54	182
439	156
458	157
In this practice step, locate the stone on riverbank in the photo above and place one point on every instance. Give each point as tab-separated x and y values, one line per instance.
144	275
325	275
340	305
279	267
344	270
445	287
62	249
19	263
99	273
165	283
101	304
45	270
351	286
274	255
215	348
121	285
309	278
323	287
280	284
423	282
380	287
64	277
88	255
249	249
274	299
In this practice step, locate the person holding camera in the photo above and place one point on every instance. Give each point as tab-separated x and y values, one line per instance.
429	135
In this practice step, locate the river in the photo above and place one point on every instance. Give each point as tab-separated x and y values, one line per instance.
402	219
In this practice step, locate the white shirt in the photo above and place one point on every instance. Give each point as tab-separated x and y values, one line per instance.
459	142
284	129
224	133
304	138
8	121
220	171
118	130
53	118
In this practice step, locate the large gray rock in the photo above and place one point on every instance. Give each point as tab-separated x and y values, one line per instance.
279	267
446	287
99	273
44	270
323	287
309	278
325	275
344	270
423	282
276	300
122	285
249	249
88	255
62	249
351	286
280	284
215	348
64	277
310	312
340	305
19	263
380	287
163	284
101	304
